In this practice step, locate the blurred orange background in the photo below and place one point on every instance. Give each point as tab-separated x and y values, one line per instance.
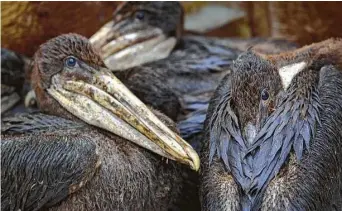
25	25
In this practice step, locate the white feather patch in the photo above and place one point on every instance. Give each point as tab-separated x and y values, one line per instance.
250	133
287	73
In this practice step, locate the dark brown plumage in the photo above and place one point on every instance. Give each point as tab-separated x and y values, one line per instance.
46	158
190	72
272	137
181	84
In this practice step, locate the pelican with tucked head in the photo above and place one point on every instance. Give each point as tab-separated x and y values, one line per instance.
272	135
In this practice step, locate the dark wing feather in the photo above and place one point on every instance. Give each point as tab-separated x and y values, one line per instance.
226	140
41	170
195	102
192	123
294	131
42	164
36	122
196	56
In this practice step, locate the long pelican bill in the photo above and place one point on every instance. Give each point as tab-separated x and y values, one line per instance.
105	102
122	50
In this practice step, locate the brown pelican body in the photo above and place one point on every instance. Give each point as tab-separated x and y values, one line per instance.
272	136
145	42
62	163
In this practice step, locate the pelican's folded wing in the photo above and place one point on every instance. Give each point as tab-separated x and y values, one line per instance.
39	169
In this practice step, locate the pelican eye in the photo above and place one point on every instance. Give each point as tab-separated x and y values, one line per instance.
264	95
71	61
139	15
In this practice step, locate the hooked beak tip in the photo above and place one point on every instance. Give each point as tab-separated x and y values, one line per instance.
195	164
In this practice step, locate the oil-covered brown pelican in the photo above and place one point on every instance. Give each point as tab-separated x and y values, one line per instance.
272	134
146	40
50	157
141	32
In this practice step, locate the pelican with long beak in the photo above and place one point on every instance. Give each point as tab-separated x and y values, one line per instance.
98	140
146	41
143	32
